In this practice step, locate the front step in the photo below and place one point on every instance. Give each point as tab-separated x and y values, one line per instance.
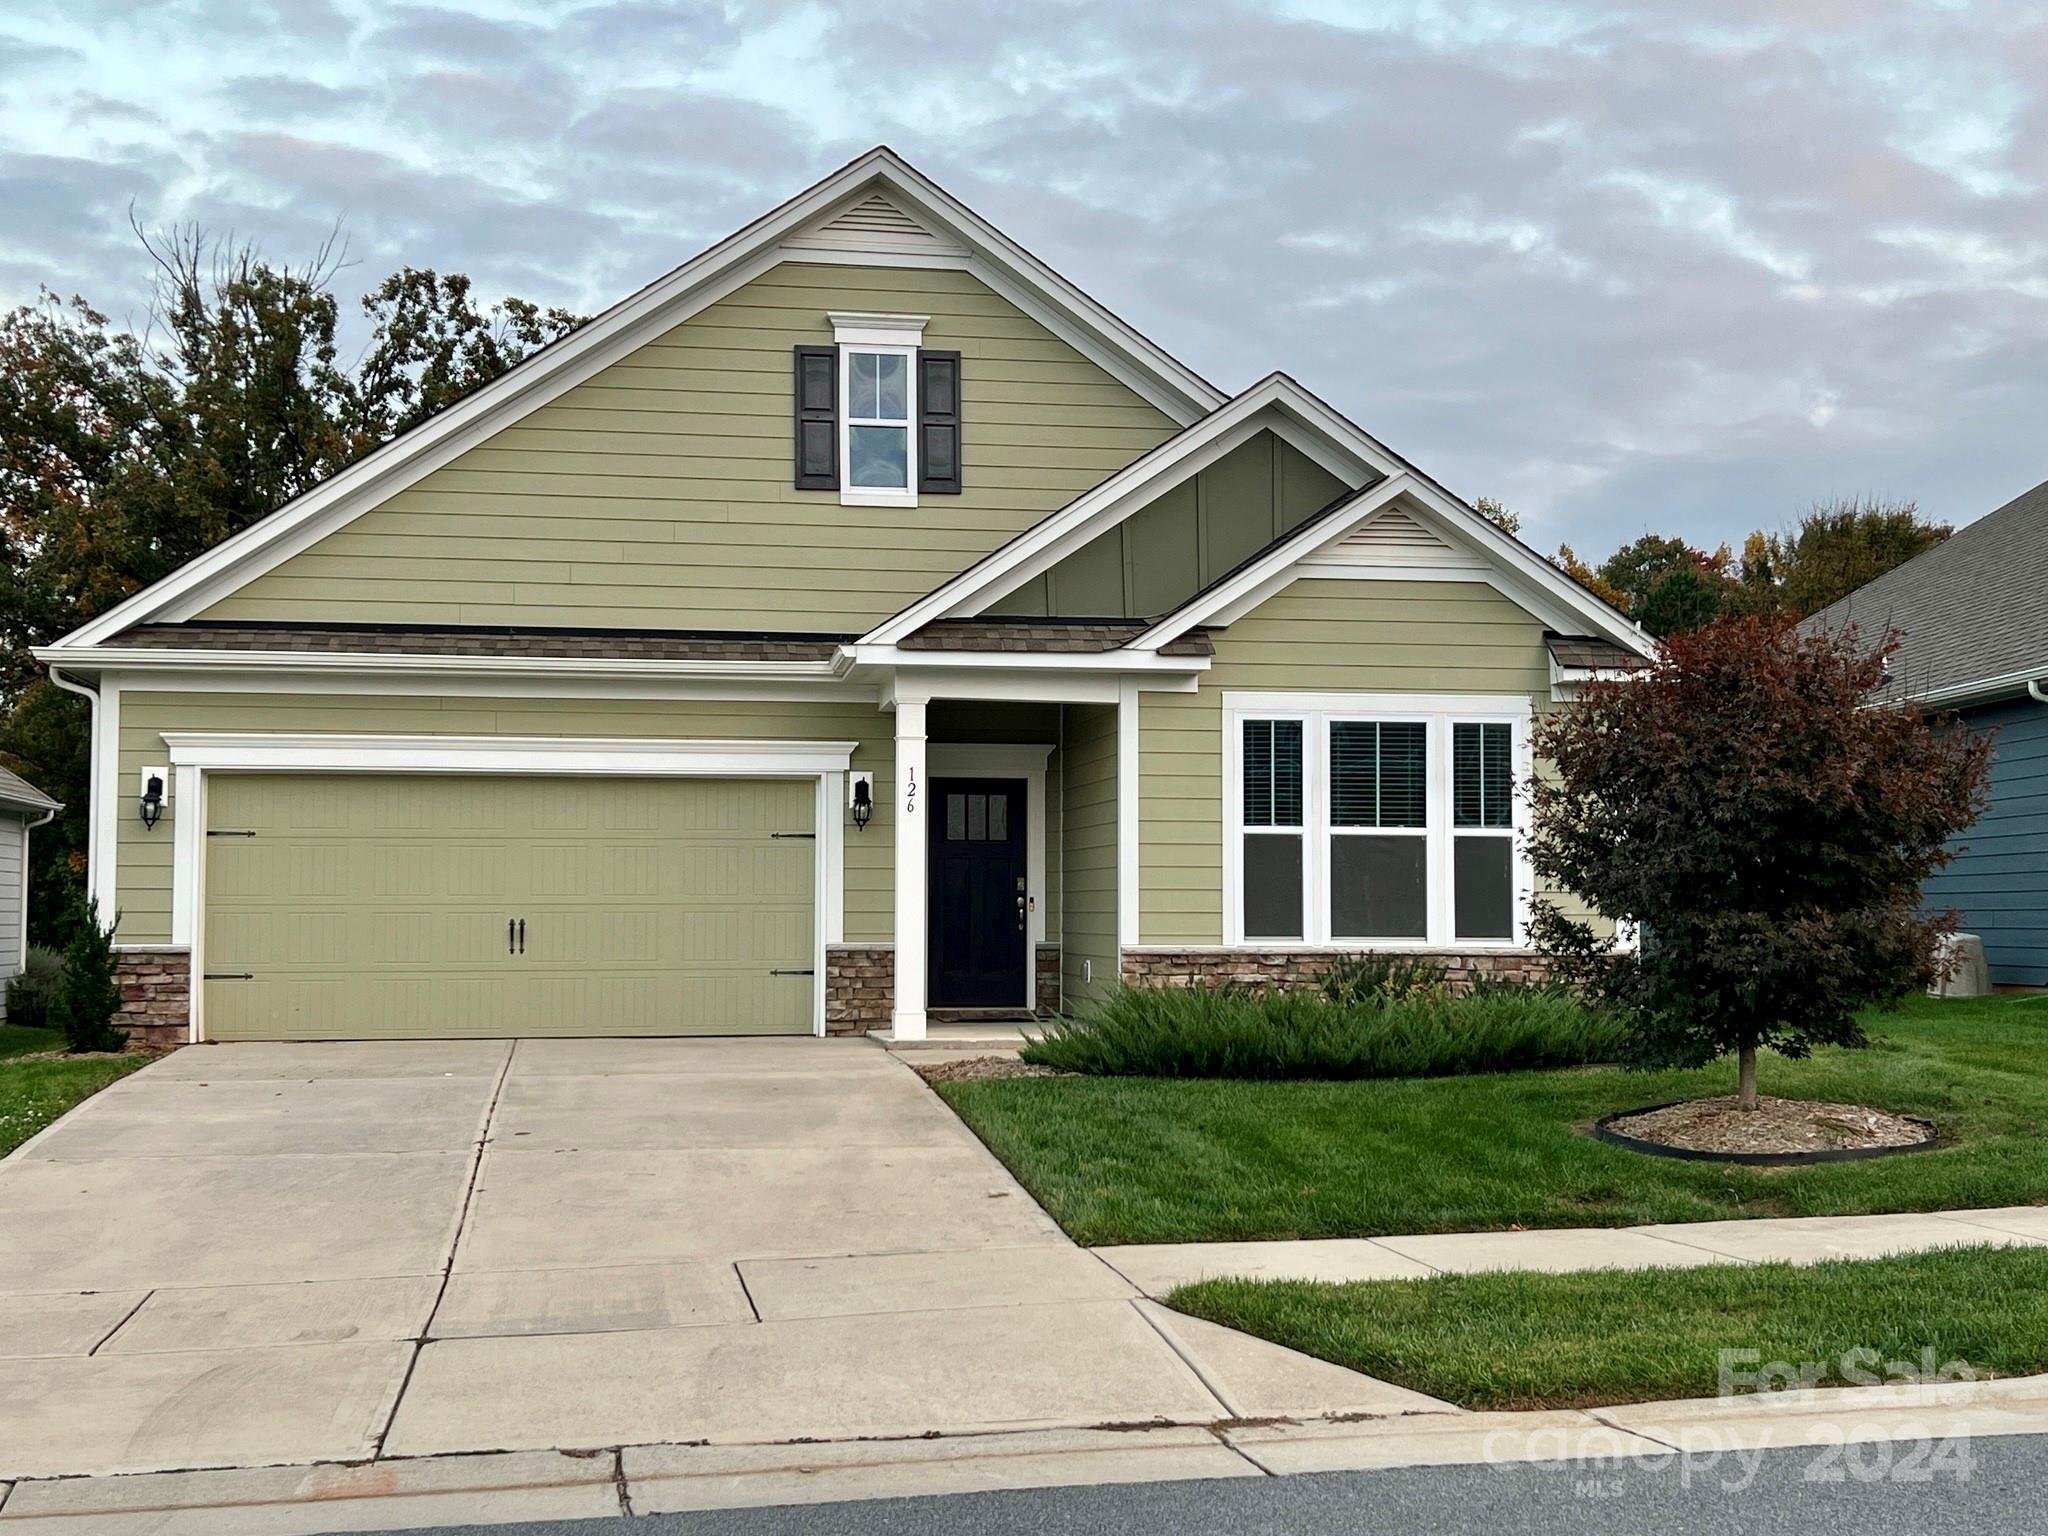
991	1038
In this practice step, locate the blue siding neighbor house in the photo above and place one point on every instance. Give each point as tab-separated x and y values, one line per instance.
1972	614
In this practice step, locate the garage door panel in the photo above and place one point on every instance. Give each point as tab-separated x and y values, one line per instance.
376	906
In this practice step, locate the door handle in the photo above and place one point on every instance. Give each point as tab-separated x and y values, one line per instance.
508	937
522	935
1020	914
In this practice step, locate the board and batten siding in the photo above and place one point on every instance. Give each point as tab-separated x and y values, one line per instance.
143	862
1999	880
1315	636
1088	937
657	494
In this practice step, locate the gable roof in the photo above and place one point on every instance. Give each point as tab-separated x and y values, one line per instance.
17	792
1468	539
1972	612
836	219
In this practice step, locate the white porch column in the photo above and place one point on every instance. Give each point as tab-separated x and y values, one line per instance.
911	869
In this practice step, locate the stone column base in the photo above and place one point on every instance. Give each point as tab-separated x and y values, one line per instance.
1048	989
156	997
860	987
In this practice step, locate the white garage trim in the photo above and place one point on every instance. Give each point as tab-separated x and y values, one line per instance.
194	753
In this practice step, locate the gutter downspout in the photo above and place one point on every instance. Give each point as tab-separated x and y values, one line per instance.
92	823
2034	691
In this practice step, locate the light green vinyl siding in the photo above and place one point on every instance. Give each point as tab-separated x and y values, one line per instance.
657	493
1190	534
1088	933
144	854
391	906
1322	636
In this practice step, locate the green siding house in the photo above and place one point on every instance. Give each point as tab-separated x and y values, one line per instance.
858	624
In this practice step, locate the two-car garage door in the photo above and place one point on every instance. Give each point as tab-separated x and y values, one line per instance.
376	905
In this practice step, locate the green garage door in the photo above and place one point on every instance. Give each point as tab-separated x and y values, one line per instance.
364	906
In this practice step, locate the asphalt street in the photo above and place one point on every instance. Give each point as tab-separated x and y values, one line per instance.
1882	1489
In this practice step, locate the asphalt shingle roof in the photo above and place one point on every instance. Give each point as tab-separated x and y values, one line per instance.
1074	637
15	790
566	645
1590	651
1972	608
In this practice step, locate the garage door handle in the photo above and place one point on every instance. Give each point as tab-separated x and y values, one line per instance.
511	927
522	935
791	971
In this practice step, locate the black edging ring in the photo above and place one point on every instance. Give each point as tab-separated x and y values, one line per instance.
1603	1131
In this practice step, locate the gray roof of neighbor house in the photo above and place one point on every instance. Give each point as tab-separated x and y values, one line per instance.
1972	610
18	792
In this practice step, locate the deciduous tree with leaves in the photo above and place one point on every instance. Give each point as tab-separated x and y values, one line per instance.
1767	830
124	454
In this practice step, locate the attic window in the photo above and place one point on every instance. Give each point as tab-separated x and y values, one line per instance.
878	389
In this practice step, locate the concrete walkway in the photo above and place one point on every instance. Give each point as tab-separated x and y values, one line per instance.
285	1255
1156	1268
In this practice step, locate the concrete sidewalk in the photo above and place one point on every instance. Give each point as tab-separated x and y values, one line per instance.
1156	1268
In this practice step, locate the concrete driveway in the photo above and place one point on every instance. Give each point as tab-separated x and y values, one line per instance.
257	1254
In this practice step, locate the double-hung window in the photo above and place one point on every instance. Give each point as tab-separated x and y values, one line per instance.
880	392
1358	821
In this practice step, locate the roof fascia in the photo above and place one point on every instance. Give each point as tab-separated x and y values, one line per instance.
1116	661
699	282
1305	422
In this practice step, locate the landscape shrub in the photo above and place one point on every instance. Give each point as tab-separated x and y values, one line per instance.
1273	1034
29	994
88	996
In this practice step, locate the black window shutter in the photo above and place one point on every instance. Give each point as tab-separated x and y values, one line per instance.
938	422
817	418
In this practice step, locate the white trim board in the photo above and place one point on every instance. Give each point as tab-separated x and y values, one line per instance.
1160	378
196	755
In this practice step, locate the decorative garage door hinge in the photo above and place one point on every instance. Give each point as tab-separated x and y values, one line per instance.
792	971
793	834
227	975
223	832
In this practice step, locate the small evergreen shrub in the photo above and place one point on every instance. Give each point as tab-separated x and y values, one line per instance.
88	997
1272	1034
29	994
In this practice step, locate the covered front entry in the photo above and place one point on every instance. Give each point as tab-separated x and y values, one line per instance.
980	894
383	905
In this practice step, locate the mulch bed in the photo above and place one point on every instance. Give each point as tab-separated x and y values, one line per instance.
1774	1126
980	1067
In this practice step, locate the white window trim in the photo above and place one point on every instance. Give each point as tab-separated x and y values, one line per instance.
891	335
1315	711
195	755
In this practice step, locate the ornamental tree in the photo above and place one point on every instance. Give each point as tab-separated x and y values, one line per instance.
1764	825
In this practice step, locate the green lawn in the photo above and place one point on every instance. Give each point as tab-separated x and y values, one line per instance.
1625	1336
36	1088
1136	1160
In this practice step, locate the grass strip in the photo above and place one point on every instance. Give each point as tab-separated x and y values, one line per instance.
1513	1341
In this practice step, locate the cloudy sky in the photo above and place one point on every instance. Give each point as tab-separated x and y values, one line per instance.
1626	264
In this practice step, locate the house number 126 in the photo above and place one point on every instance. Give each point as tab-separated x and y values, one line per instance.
910	794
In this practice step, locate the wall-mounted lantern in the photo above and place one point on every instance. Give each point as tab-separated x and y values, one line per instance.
861	801
151	800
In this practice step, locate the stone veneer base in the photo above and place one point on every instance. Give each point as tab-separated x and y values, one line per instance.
1305	967
860	985
156	996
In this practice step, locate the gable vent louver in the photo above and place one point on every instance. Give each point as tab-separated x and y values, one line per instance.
871	223
1394	537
